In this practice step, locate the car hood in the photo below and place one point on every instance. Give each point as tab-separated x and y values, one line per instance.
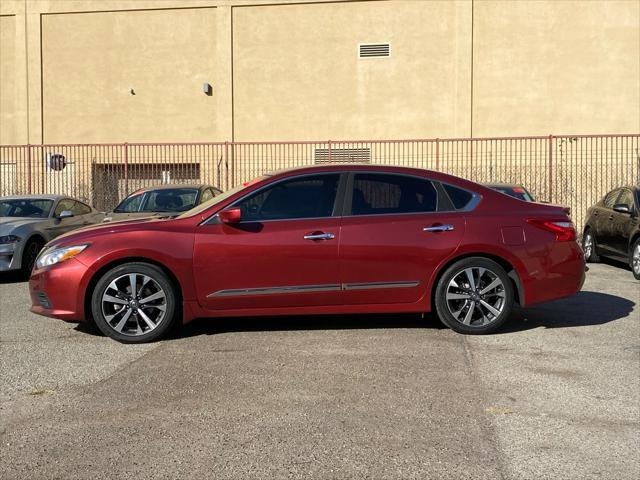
84	234
8	224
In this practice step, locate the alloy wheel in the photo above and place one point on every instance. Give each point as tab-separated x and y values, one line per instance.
476	296
134	304
635	260
588	245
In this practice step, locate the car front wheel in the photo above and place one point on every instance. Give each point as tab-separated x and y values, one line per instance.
474	296
134	303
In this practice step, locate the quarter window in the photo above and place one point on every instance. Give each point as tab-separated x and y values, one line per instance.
303	197
459	197
379	194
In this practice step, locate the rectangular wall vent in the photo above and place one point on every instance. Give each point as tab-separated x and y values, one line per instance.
342	155
372	50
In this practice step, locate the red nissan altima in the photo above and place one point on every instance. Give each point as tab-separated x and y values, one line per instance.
317	240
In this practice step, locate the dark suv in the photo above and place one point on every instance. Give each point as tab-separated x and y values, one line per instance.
612	228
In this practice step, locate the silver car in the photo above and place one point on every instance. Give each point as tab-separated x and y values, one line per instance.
28	222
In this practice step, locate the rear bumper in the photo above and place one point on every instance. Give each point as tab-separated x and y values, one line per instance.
560	273
55	291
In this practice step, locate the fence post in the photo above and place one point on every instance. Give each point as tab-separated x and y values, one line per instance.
329	151
126	168
29	167
226	165
550	186
437	154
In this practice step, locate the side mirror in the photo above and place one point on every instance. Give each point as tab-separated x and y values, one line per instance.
621	208
65	214
230	215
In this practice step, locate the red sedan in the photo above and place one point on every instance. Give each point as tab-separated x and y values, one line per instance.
317	240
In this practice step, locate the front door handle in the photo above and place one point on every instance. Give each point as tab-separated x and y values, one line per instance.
319	236
438	228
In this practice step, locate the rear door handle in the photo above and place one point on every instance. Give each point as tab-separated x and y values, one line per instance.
438	228
319	236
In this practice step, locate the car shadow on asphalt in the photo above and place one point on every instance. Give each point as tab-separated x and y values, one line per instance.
584	309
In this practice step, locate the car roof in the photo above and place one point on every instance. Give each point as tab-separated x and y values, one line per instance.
368	167
36	197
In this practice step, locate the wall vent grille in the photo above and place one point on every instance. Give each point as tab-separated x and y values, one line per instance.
373	50
342	155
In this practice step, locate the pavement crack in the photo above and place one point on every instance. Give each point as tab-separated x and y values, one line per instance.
487	424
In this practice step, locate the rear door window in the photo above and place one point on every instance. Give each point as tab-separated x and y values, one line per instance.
382	194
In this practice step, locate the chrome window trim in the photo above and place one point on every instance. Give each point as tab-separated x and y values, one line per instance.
238	292
470	206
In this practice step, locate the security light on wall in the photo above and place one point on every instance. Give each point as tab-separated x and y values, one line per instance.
207	89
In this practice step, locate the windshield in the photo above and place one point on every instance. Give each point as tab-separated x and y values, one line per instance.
32	208
217	199
161	200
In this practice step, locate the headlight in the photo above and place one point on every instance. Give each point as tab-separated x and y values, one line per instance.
52	256
9	239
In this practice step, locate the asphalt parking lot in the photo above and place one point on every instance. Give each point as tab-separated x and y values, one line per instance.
556	395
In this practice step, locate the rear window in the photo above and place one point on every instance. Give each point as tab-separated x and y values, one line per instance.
459	197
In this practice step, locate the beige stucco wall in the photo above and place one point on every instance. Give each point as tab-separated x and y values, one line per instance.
92	61
487	68
8	99
297	74
564	66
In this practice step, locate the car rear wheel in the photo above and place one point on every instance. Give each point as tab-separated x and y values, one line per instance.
589	247
29	255
474	296
635	259
134	303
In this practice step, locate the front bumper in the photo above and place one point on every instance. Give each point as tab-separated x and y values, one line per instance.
56	290
10	257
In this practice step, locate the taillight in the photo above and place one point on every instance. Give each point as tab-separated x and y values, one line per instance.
565	231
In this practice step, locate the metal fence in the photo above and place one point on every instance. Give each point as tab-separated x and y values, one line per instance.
571	170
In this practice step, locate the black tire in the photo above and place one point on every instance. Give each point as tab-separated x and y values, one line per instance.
29	255
590	252
481	319
109	315
635	259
